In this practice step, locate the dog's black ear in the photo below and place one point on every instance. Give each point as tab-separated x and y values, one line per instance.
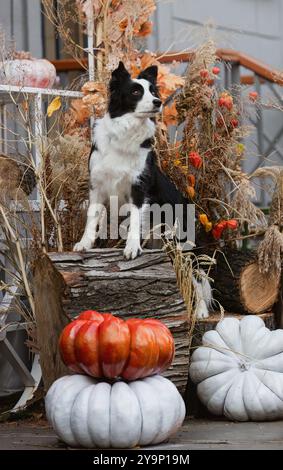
120	73
150	74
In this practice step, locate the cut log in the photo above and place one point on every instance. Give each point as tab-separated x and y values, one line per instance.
259	291
145	287
48	287
239	286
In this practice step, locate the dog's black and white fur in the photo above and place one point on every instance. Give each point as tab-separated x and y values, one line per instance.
122	162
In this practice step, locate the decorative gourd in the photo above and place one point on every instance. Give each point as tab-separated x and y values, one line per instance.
102	345
39	73
239	370
88	413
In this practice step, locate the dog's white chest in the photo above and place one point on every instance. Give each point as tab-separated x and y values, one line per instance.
114	174
119	159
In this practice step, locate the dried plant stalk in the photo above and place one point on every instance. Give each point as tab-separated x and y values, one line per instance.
270	249
188	266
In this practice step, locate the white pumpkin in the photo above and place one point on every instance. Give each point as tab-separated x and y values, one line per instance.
39	73
239	370
88	413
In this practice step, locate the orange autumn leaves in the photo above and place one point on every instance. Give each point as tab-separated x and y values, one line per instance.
134	16
95	98
55	104
139	30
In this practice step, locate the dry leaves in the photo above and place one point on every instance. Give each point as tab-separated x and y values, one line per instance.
54	106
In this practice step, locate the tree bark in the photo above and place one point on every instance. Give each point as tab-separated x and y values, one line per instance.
48	288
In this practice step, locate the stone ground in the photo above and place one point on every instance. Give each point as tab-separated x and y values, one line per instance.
195	434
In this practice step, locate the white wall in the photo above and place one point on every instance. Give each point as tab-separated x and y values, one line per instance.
251	26
254	27
21	21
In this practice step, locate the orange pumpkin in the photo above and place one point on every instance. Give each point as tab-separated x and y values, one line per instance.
102	345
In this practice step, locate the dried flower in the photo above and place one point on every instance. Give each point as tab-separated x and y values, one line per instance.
195	159
240	148
191	192
226	101
145	29
232	224
205	222
218	229
204	73
216	70
234	123
191	180
223	225
253	95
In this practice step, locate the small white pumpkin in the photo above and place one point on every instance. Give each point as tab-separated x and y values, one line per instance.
239	370
88	413
39	73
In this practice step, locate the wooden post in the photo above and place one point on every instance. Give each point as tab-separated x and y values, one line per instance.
90	52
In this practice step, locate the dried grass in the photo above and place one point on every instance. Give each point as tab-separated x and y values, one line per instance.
188	266
242	204
270	251
66	167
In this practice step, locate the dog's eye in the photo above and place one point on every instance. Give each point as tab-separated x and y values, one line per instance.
135	92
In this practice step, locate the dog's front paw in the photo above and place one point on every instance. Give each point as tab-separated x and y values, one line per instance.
202	310
132	250
83	245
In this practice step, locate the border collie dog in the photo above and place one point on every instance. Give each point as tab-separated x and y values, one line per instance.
122	162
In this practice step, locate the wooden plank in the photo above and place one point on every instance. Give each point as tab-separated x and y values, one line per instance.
66	65
146	288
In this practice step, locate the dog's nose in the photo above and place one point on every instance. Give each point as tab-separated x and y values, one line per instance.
157	103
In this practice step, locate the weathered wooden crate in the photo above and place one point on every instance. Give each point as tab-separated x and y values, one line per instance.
103	280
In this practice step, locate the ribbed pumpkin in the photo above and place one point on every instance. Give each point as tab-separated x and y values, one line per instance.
39	73
88	413
239	370
102	345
